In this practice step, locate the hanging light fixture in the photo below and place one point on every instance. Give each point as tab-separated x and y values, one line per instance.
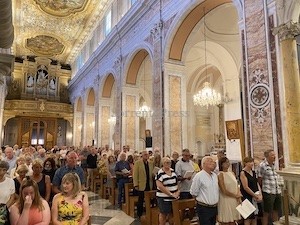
144	111
112	120
207	96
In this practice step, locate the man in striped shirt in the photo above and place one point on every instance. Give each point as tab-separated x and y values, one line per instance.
268	178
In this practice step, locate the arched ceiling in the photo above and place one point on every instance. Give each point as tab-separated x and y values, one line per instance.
53	28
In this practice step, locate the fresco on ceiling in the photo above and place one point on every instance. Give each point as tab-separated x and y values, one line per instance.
61	8
45	45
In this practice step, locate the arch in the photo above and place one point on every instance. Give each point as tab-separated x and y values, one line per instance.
107	86
90	101
79	105
189	22
287	11
135	66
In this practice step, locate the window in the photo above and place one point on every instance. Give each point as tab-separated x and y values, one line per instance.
107	23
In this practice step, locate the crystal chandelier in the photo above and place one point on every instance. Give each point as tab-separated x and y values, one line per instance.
112	120
207	96
144	111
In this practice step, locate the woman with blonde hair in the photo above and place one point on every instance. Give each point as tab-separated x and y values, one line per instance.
31	208
21	171
167	190
71	206
43	181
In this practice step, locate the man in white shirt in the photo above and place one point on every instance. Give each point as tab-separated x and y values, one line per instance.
183	166
206	190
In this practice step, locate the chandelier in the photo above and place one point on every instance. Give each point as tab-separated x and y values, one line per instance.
207	96
112	120
144	111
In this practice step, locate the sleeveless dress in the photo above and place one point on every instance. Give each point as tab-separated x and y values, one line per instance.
35	216
227	205
252	184
42	186
70	213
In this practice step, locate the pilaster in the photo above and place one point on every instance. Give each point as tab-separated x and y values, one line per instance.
158	87
257	79
175	111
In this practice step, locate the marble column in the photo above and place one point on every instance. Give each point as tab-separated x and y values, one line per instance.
117	136
158	95
290	69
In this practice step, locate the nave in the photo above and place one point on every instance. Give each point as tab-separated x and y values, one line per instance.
103	212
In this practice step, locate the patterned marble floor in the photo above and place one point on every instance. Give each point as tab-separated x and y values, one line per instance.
102	212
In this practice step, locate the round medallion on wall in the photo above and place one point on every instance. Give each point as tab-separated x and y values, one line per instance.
260	95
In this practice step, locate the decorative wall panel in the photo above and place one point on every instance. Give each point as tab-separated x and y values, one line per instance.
175	112
130	121
105	125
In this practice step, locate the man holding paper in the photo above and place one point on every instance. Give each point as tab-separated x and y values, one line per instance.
122	170
184	169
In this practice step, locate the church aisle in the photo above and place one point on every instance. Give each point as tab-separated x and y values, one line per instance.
102	212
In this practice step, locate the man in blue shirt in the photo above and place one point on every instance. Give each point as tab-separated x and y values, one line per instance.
70	167
122	173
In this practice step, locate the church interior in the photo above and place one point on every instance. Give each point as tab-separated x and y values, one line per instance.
165	75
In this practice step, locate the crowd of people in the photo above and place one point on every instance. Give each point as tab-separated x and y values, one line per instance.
39	186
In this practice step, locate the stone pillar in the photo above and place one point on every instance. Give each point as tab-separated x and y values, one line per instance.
2	100
96	110
158	87
290	69
117	136
260	127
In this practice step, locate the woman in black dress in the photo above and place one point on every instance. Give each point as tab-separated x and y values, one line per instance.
250	188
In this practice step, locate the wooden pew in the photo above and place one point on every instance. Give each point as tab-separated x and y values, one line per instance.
184	212
113	192
95	180
152	211
130	200
102	183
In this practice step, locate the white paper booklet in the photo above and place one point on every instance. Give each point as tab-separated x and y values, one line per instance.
188	174
245	208
125	171
155	170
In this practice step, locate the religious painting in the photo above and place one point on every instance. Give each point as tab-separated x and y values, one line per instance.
232	129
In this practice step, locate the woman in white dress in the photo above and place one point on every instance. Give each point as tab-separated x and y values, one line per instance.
230	195
7	193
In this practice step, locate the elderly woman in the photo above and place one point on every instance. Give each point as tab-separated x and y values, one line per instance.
71	206
167	190
31	208
7	188
43	181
